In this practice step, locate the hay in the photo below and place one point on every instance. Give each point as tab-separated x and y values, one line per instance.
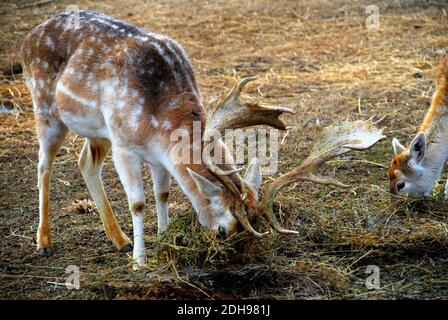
84	206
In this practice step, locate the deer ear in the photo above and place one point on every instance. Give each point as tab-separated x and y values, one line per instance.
418	147
253	174
398	147
205	186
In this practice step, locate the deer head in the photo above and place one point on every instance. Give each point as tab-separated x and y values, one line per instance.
407	172
415	169
231	113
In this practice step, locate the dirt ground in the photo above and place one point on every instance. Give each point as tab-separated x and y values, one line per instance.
315	56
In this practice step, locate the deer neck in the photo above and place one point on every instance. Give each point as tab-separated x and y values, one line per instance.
188	186
435	126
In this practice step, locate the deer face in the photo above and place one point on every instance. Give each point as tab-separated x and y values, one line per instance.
224	207
408	173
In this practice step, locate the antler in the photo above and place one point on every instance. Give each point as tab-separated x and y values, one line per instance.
231	113
334	141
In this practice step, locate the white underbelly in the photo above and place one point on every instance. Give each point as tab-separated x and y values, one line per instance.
89	126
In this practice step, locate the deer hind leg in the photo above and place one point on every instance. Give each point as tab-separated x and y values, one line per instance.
51	134
129	168
161	181
91	163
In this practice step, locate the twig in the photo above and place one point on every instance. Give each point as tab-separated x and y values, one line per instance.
37	3
361	257
189	283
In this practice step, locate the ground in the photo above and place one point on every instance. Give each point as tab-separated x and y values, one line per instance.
318	58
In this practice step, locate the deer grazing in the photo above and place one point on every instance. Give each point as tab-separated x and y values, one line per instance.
126	90
414	170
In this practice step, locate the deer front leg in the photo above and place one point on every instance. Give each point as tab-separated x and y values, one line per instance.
91	163
129	168
161	181
50	141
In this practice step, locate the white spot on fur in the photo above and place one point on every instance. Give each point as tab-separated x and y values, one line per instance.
154	122
123	91
173	103
142	38
166	124
134	118
121	104
135	93
49	43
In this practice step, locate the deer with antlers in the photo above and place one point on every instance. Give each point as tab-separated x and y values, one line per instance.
414	170
126	90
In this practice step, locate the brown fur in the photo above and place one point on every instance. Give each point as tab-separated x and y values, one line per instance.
164	197
440	97
138	207
99	152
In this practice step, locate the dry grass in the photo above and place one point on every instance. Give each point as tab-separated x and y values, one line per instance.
315	56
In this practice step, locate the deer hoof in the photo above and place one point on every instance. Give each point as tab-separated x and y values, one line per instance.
127	248
45	252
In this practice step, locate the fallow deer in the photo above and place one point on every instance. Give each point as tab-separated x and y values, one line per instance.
126	90
415	169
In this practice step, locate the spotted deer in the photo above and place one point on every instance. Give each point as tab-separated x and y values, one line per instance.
126	90
415	169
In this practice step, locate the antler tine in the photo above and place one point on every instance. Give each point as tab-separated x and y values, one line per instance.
335	140
244	221
236	91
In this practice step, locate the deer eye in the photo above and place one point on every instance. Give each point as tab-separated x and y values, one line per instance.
400	185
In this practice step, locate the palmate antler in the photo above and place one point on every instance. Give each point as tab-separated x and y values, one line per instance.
231	113
335	140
